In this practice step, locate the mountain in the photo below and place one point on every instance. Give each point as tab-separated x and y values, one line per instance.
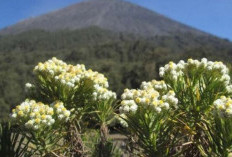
88	33
114	15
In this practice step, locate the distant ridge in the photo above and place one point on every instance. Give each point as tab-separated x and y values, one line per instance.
114	15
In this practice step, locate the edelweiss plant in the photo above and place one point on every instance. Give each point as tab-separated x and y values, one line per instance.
187	99
188	113
146	112
39	116
221	127
41	124
67	88
197	85
73	85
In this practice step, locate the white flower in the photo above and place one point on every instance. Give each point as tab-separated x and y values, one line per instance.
95	94
63	81
223	106
67	113
229	88
126	108
166	105
32	115
229	111
121	109
28	85
158	109
133	108
161	73
59	110
61	116
51	72
14	115
218	102
44	121
52	121
123	96
174	77
36	127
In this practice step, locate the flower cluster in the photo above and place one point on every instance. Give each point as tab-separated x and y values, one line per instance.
170	98
68	74
223	106
36	115
101	93
73	76
60	111
96	77
148	98
229	89
172	70
217	69
157	85
52	67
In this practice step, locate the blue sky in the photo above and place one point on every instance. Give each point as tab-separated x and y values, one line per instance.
213	16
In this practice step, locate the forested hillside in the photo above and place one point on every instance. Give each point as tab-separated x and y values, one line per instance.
125	59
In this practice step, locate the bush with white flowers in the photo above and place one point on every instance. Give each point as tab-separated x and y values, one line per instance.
220	127
149	99
197	85
145	113
66	88
190	107
187	113
39	121
101	93
67	74
75	85
223	106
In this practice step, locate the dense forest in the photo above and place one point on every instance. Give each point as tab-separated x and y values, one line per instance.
125	59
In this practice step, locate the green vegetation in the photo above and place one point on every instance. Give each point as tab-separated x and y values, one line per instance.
126	60
69	109
66	103
188	113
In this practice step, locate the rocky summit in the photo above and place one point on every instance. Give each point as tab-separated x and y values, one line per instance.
114	15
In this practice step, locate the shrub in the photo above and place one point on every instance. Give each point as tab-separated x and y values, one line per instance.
79	100
190	127
69	110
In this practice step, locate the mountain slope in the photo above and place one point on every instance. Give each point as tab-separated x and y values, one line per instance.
125	61
114	15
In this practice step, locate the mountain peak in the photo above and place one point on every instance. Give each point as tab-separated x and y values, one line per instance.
114	15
